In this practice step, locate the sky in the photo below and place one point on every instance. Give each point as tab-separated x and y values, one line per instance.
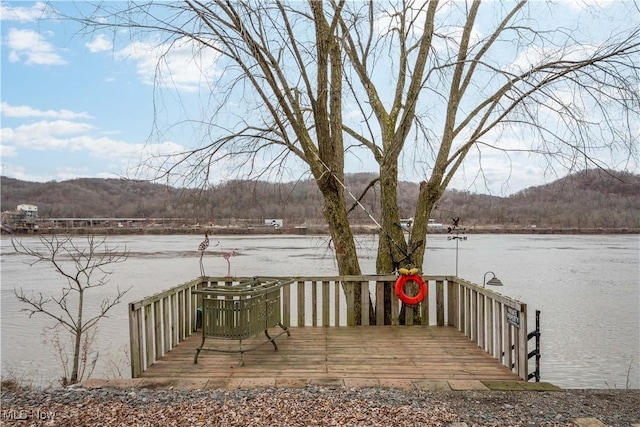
74	105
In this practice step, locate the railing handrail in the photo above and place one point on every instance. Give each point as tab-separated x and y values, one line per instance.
503	299
160	322
361	278
156	297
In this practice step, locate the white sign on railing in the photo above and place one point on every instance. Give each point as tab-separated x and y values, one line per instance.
513	317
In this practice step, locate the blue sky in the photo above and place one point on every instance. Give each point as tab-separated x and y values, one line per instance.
74	105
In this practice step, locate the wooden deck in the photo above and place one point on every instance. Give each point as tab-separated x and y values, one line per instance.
372	355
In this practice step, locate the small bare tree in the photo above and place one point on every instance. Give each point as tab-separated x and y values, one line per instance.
84	268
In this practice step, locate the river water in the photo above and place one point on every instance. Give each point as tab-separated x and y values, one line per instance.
587	288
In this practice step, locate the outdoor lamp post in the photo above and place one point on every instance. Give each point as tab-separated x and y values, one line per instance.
494	281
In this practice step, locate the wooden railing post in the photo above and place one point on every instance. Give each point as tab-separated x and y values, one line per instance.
286	304
173	303
507	341
465	323
135	341
325	303
453	307
148	335
337	293
523	343
191	312
499	333
364	303
424	307
165	325
439	303
395	311
179	315
481	321
157	326
350	294
380	303
301	303
314	305
491	321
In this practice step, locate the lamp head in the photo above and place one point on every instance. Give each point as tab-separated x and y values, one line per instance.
494	281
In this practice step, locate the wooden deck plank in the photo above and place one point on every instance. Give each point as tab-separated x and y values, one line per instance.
315	353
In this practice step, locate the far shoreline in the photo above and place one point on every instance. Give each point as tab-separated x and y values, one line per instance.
312	230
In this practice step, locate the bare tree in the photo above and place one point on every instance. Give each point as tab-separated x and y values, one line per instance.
311	83
84	268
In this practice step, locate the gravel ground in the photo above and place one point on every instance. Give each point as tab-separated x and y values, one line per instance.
316	406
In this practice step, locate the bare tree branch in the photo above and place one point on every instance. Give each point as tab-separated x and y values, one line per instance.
306	84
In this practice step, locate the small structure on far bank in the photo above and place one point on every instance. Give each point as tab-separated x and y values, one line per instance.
22	219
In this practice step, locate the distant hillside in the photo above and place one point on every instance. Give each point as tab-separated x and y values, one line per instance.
590	199
90	197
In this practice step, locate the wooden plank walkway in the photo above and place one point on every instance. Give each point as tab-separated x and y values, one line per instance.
379	354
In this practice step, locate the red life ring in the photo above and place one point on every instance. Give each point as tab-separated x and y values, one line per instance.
422	291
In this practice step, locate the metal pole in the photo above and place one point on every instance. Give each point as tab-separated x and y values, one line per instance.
457	257
456	229
538	355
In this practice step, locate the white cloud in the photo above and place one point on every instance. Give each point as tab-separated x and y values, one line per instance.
536	55
585	4
499	173
57	133
31	47
17	172
23	111
100	43
61	173
7	150
24	14
75	136
449	31
115	149
183	66
43	135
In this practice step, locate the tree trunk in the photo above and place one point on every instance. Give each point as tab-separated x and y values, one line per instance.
392	247
78	339
329	169
427	198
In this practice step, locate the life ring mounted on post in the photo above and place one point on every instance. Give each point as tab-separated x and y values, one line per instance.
412	275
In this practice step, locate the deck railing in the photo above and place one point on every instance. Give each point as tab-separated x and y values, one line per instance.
496	323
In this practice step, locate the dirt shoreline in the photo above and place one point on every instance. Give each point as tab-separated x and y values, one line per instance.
318	406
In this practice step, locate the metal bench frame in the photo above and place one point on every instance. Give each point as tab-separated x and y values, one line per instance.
241	311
